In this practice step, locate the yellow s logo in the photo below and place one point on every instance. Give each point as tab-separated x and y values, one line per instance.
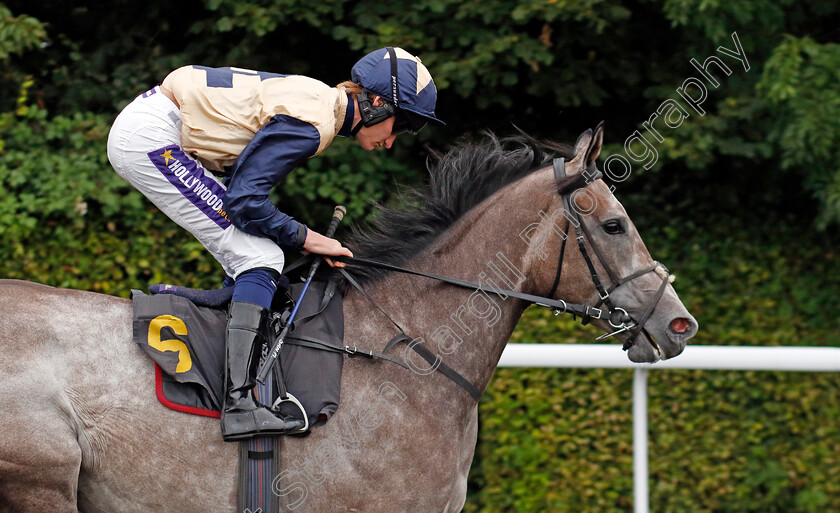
179	328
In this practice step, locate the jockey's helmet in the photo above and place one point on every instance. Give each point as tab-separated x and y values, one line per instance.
403	82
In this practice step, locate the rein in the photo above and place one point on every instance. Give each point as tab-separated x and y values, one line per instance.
617	317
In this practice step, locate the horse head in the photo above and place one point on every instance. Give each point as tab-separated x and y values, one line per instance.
605	263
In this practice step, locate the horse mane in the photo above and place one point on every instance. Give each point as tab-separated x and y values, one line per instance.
459	180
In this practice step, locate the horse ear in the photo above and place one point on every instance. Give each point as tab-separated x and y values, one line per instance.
576	165
582	143
595	146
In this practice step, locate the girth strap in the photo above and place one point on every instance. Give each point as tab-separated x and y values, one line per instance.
351	351
260	455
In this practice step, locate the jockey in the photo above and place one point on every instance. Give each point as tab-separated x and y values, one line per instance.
254	128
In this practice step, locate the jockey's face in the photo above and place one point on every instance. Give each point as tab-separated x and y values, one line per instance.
378	135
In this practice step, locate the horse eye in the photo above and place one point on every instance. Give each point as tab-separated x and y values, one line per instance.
613	227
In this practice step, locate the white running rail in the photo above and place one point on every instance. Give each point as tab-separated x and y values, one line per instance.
600	356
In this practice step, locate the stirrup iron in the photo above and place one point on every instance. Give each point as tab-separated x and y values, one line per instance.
294	400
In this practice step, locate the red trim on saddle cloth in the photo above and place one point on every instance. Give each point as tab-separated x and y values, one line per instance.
175	406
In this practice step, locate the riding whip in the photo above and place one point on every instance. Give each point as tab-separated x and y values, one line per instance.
338	215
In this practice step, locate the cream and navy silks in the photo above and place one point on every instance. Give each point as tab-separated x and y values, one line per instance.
255	127
223	108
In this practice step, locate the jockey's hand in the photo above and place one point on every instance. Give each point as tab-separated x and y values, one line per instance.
321	245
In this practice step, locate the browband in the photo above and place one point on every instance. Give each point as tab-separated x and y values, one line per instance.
582	180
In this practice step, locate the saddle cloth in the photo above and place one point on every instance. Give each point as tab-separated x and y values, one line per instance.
187	344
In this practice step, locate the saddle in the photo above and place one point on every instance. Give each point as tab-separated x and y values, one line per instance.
183	331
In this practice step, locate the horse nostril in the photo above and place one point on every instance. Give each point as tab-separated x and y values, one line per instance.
680	325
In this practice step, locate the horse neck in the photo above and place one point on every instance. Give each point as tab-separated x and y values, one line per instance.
468	329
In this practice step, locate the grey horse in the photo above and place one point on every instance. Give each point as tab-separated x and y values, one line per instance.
82	430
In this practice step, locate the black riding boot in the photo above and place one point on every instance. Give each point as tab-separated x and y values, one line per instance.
243	416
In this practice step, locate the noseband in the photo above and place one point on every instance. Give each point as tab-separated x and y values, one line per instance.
616	316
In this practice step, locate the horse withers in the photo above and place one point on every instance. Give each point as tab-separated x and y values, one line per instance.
81	428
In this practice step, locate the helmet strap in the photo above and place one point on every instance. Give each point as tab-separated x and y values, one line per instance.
395	83
371	114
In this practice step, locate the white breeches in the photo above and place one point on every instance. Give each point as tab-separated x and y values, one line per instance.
144	149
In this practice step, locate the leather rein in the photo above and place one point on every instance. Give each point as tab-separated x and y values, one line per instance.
617	317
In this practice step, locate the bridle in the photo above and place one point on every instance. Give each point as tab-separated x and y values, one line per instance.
616	316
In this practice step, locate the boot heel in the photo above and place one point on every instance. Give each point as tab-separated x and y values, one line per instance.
259	422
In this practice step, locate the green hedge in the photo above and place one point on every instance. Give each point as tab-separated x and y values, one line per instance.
720	441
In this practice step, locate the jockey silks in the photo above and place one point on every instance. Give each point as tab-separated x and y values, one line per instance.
222	109
256	126
260	126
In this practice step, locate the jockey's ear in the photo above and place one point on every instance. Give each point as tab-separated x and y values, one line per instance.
377	100
595	145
